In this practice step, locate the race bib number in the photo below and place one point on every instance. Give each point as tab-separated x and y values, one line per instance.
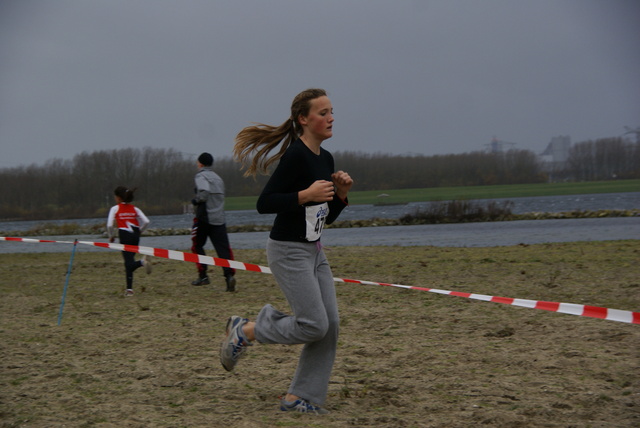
316	216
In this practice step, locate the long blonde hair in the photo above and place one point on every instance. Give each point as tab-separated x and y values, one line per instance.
254	143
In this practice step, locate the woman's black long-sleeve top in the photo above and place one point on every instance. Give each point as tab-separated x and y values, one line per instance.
297	169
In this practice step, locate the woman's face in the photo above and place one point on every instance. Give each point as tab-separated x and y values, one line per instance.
318	124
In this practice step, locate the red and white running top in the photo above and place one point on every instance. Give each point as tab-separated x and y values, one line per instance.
125	217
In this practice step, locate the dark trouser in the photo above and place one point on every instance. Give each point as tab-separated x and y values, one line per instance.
130	263
220	240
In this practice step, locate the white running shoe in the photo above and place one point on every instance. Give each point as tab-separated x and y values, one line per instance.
301	406
148	266
235	344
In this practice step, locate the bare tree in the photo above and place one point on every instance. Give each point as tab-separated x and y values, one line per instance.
83	186
604	159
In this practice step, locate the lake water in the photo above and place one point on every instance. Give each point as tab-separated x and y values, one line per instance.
486	234
621	201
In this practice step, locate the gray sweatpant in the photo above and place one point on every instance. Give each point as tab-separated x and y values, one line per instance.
305	278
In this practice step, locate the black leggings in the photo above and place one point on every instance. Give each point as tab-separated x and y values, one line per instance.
130	263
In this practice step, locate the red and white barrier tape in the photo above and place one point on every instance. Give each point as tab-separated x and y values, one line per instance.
565	308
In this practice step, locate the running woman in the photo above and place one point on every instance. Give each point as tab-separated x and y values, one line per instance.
305	192
130	222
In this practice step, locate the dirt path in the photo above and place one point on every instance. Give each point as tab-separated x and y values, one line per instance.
406	358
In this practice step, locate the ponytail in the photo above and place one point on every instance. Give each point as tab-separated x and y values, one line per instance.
262	139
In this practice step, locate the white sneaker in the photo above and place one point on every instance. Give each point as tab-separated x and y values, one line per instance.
148	266
302	406
235	344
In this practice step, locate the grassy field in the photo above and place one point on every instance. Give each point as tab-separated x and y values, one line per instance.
470	192
406	358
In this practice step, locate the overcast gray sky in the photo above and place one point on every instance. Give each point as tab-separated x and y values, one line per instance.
404	76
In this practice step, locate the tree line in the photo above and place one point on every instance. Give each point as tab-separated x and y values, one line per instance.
82	187
605	159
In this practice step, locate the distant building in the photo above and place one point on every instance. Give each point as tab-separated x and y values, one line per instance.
555	156
557	151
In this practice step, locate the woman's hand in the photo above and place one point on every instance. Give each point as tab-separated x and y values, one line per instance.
324	191
319	191
343	183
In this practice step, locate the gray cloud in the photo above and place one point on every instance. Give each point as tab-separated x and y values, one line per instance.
404	76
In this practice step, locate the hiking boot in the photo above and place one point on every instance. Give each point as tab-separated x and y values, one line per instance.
201	281
235	344
231	283
301	406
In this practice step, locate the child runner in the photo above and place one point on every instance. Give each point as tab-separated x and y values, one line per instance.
306	193
130	222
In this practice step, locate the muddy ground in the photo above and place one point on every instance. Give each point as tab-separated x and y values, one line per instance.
406	358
